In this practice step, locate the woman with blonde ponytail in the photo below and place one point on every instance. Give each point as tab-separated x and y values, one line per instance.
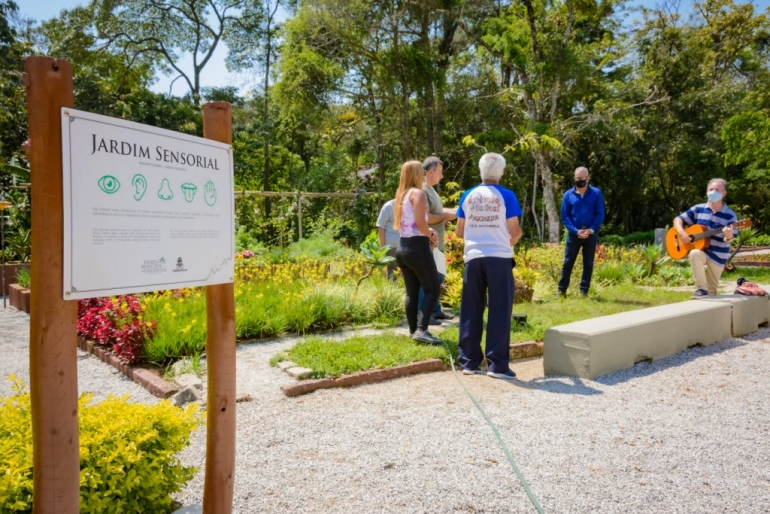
414	254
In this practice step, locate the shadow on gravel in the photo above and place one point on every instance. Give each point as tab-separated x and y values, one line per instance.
559	385
644	369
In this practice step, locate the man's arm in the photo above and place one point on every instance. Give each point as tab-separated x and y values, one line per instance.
448	215
381	235
514	229
565	217
599	214
460	230
679	226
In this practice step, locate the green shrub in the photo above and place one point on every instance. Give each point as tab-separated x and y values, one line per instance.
635	271
610	274
24	277
759	240
319	247
128	453
634	238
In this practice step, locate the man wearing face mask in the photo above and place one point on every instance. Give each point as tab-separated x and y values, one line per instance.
582	212
708	264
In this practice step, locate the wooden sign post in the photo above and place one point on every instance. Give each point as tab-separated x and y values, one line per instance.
220	359
53	369
53	321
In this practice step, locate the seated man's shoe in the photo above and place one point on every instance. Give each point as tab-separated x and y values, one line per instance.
442	315
434	322
700	293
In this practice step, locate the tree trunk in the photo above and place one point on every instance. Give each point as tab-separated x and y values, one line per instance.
544	166
266	119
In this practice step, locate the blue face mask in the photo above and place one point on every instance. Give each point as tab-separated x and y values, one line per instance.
714	196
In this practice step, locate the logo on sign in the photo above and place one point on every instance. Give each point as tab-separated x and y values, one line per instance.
154	266
179	265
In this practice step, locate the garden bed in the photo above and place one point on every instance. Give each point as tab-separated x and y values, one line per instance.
19	297
10	275
146	378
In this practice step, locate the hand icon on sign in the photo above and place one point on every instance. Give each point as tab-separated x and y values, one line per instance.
210	193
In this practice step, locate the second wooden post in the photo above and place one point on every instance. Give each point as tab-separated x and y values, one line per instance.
220	359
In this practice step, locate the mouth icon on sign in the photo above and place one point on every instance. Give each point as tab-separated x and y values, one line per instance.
189	190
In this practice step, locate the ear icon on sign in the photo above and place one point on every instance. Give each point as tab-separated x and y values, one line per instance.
139	184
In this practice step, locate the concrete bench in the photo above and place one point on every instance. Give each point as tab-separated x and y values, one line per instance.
748	312
595	347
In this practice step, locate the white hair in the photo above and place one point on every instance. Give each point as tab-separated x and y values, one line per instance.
491	166
720	181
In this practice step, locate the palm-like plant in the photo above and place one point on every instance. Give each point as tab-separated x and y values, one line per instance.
376	256
744	236
652	257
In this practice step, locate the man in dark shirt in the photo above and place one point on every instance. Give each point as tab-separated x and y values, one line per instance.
582	212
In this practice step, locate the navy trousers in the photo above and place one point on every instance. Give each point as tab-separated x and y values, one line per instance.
574	245
484	276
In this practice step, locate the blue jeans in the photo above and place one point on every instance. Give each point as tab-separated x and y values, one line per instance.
437	310
574	245
493	277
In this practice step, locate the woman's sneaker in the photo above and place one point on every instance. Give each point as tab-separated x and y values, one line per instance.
426	337
508	375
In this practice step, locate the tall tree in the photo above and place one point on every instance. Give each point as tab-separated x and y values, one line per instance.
169	30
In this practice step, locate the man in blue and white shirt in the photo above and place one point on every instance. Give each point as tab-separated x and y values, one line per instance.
708	265
488	222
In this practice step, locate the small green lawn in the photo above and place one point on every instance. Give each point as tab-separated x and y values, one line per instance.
758	275
331	359
610	300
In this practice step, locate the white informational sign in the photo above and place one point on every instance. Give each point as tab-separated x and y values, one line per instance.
144	208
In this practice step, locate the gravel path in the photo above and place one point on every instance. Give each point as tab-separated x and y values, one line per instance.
93	375
685	434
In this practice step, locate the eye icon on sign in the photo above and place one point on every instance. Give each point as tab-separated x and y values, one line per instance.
109	184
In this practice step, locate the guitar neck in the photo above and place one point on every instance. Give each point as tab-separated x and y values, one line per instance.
708	233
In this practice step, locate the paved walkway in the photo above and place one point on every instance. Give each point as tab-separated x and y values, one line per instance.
685	434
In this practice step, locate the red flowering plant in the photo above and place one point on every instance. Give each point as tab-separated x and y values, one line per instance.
118	322
453	251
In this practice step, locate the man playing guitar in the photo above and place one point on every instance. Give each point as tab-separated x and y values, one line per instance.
708	264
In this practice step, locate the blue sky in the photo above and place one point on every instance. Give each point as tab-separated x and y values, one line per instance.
215	73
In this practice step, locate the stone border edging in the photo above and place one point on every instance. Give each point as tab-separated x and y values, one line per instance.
364	377
526	350
154	384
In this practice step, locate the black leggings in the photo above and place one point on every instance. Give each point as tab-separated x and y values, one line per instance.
415	258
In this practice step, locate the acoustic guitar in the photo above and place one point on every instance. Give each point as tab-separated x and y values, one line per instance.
700	235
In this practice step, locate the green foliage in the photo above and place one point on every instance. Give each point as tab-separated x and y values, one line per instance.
320	246
636	272
635	238
652	255
266	309
128	450
609	274
331	358
24	277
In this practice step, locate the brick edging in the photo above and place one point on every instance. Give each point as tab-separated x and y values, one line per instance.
364	377
155	385
526	350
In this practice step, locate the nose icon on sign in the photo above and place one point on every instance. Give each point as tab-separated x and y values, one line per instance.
139	183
